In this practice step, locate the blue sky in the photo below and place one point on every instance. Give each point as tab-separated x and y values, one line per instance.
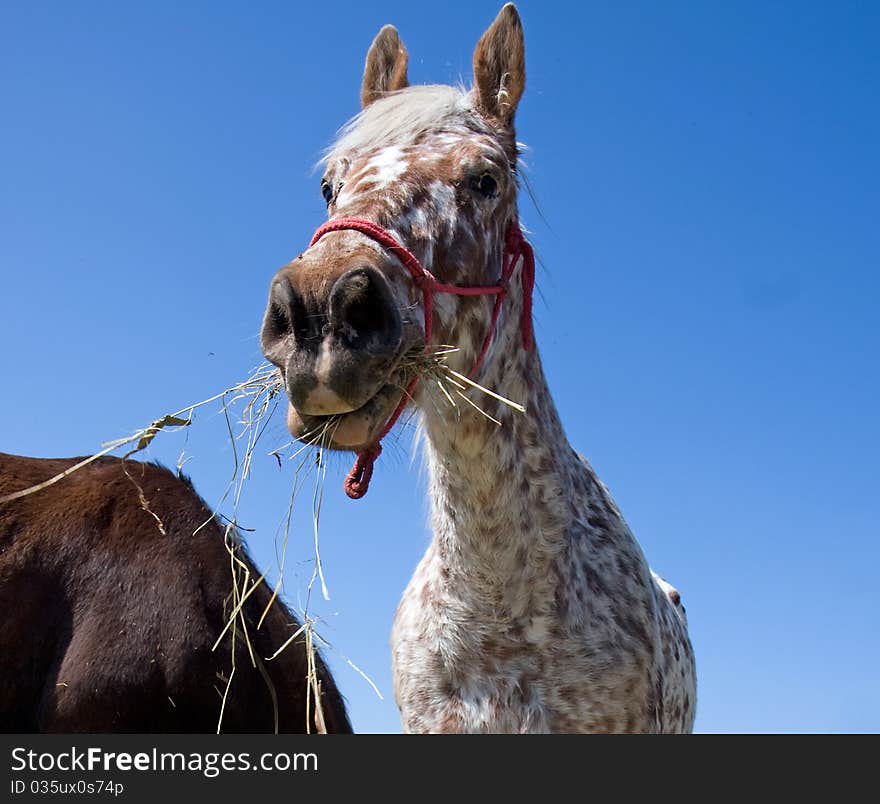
709	188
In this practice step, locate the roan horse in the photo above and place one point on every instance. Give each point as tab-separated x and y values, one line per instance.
533	609
108	623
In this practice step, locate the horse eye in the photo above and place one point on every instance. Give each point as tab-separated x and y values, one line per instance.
327	191
485	185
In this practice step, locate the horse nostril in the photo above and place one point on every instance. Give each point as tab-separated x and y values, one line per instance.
280	319
363	312
364	309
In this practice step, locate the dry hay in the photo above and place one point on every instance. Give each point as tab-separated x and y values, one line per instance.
247	408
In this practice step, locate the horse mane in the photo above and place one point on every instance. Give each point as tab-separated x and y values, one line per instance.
403	116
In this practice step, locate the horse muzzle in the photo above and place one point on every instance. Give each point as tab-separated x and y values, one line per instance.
336	333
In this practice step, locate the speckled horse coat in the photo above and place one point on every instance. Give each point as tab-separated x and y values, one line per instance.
533	609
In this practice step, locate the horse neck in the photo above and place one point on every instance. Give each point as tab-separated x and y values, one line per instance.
502	497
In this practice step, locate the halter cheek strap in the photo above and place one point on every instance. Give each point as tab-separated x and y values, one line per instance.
515	246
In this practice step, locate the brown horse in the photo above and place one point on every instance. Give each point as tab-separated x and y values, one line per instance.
108	623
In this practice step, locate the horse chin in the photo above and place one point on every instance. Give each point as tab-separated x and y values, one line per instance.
352	431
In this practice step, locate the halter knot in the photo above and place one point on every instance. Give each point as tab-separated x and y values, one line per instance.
357	481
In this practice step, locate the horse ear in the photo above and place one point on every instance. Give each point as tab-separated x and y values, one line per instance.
385	70
500	66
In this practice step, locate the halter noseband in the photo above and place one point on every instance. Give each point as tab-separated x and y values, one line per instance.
515	246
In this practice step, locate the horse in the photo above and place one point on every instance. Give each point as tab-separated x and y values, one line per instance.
533	608
110	621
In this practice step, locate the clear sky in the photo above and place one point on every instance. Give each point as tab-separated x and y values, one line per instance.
709	188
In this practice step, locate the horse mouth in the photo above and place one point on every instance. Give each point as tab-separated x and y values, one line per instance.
351	431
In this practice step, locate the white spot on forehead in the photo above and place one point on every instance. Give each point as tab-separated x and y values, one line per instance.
388	166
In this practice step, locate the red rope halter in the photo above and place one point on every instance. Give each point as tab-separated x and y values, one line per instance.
515	246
